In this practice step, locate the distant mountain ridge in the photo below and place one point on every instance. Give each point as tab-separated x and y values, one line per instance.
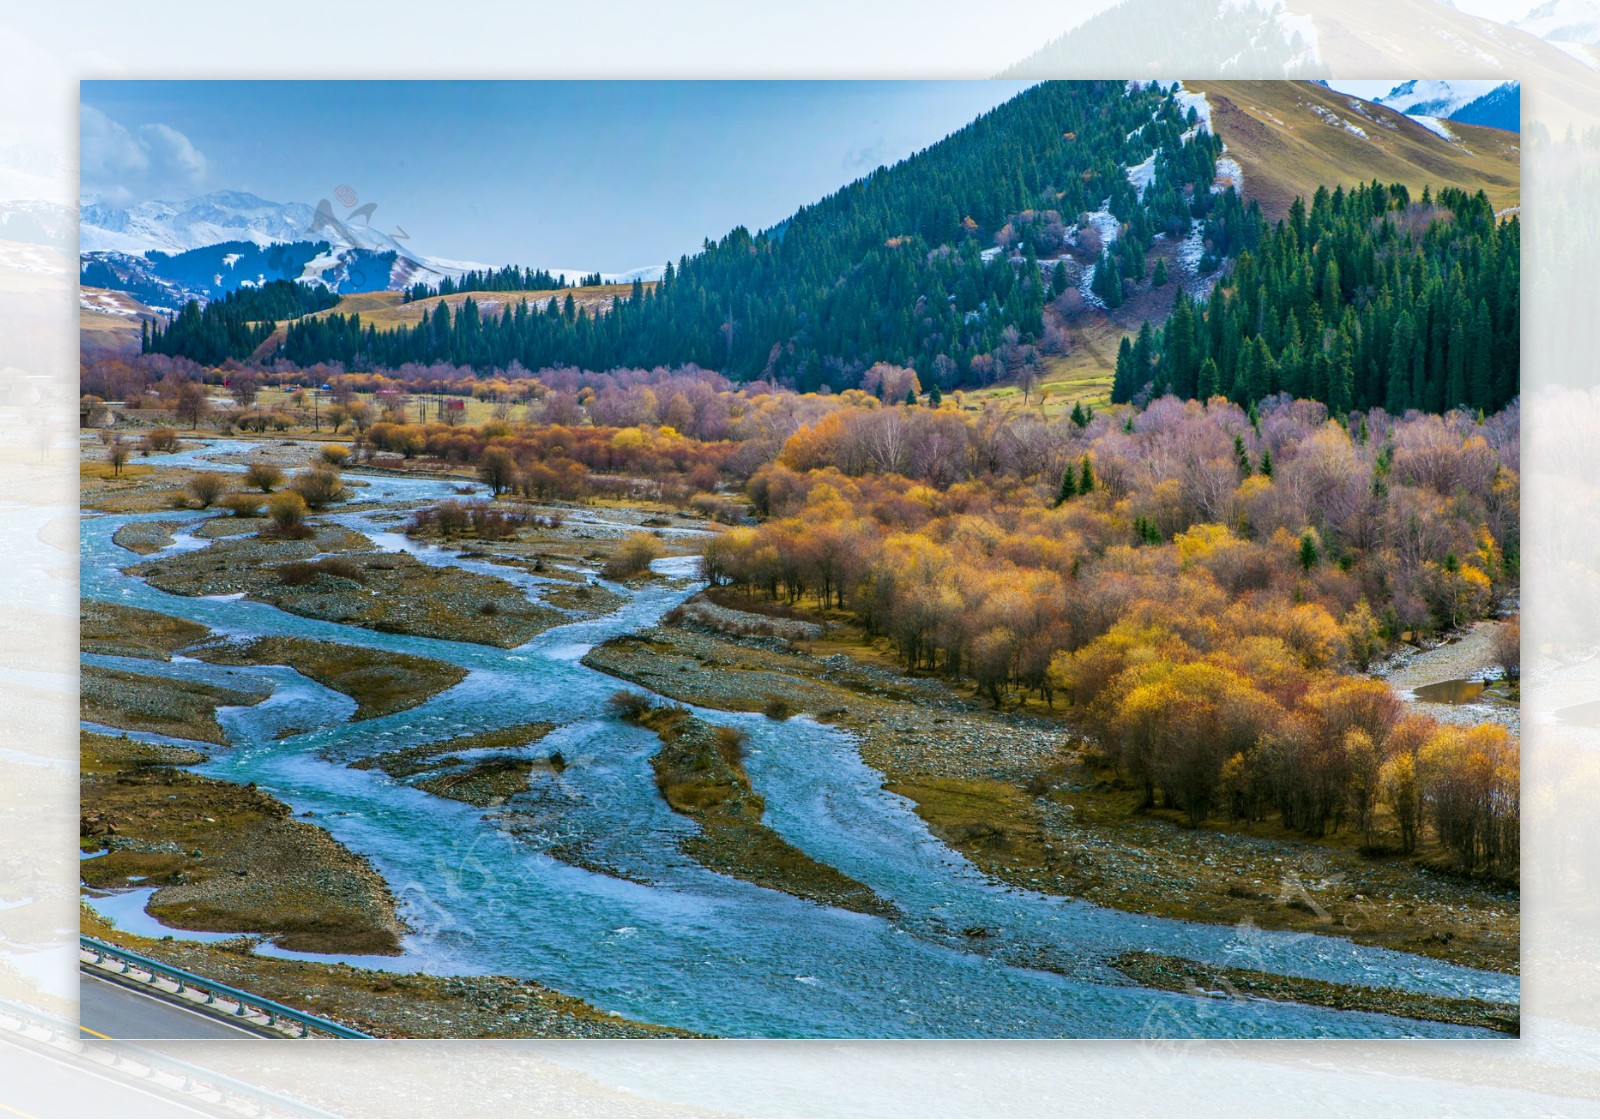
1563	21
166	253
1501	107
1470	102
177	227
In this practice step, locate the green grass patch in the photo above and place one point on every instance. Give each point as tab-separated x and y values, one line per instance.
160	705
430	756
700	773
118	631
380	682
489	782
224	858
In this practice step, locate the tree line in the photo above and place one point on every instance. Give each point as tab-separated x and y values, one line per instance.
888	269
235	325
1366	300
507	279
1198	587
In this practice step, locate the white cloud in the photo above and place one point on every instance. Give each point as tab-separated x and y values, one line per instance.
175	149
118	165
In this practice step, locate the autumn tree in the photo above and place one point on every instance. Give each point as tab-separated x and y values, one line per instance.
497	470
287	512
1508	646
263	476
206	488
319	487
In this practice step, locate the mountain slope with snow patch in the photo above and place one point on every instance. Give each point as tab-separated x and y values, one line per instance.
1289	138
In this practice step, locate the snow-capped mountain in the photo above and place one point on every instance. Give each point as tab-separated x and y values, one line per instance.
1501	107
167	252
1563	21
178	227
1434	98
1486	102
35	222
1572	26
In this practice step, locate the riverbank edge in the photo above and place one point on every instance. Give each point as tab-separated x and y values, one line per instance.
1017	849
1165	973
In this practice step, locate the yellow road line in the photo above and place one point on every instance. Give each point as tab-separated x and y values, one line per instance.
92	1031
16	1111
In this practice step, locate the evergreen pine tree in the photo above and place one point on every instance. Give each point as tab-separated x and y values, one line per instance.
1122	382
1058	278
1086	477
1144	355
1308	551
1456	380
1068	489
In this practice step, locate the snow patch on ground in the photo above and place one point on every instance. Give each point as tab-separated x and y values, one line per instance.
16	256
1142	174
1106	223
1583	52
231	259
1435	126
106	303
1197	102
316	266
1339	122
1086	287
1289	26
1303	26
1192	247
1190	251
990	254
1229	174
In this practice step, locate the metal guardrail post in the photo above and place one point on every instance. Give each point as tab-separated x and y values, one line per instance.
243	1001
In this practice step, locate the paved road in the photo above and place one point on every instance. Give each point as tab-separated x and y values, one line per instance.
33	1084
108	1010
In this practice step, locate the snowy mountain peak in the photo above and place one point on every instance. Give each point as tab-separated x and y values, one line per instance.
1475	101
1433	97
203	247
176	227
1568	21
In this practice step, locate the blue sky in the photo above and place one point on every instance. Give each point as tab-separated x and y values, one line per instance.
606	175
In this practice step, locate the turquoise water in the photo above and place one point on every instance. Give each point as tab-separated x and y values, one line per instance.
666	940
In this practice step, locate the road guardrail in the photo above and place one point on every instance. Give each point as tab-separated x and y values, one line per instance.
170	981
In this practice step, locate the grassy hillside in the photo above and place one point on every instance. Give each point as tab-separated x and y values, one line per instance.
1377	38
1083	374
108	321
388	310
1291	137
1424	37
